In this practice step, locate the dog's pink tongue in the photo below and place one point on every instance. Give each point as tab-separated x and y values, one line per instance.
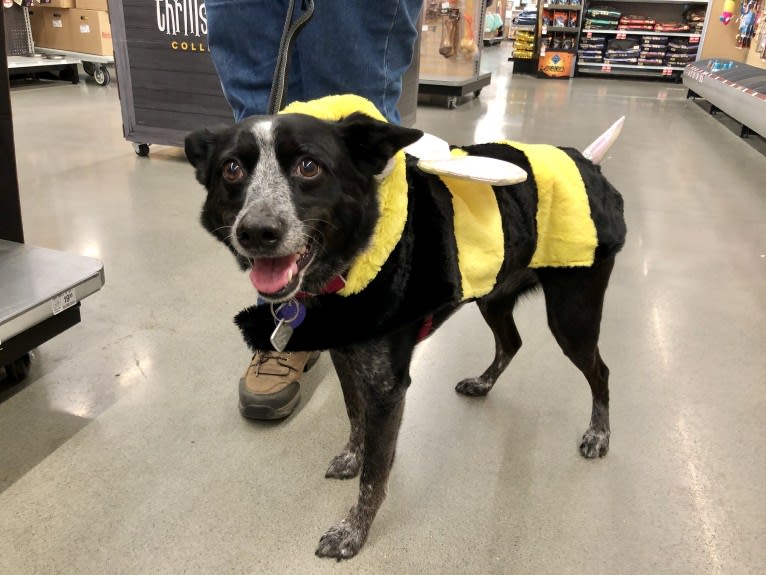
269	275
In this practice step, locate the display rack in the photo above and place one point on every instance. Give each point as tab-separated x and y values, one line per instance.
657	11
93	64
559	26
450	51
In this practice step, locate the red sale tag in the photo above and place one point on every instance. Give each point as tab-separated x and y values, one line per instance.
667	72
621	36
589	35
694	39
606	68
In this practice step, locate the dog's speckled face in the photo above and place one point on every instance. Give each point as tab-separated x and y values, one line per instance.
294	197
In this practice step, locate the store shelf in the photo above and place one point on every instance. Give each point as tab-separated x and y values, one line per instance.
562	6
628	66
587	31
570	30
679	2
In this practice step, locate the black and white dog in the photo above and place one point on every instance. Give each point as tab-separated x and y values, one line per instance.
297	200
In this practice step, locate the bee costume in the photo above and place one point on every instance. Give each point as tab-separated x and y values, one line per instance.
443	239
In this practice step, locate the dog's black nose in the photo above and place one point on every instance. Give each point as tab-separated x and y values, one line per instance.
261	235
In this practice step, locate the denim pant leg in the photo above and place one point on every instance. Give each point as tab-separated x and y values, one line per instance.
244	37
359	47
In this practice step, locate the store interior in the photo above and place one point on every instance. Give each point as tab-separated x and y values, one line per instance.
121	446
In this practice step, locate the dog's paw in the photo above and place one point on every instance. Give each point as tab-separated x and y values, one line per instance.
475	387
341	541
345	465
594	444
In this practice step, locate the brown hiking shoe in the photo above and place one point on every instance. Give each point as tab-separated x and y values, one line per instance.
270	388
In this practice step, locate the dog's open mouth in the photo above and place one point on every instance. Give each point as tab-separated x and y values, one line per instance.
279	277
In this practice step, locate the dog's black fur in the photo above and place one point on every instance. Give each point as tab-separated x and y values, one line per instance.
371	350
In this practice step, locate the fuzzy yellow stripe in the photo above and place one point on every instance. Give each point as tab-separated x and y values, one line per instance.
478	234
566	234
392	191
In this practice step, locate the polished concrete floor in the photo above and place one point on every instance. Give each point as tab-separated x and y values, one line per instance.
124	451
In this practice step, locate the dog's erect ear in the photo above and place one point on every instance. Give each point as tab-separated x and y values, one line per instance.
199	146
373	143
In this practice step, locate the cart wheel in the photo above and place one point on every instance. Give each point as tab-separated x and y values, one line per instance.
141	149
101	76
18	370
451	102
89	67
477	93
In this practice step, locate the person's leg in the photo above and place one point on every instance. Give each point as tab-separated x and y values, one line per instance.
359	47
244	36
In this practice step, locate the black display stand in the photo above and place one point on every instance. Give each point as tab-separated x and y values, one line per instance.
10	207
167	82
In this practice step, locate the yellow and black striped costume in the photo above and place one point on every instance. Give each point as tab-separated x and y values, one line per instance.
441	241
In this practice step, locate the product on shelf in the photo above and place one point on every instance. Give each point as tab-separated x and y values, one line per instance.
602	18
560	18
634	22
671	27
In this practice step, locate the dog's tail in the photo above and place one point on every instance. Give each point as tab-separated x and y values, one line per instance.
598	149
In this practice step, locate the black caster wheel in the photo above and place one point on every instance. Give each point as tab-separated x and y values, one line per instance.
141	149
477	93
101	76
89	67
18	370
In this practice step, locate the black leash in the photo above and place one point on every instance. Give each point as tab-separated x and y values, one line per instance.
289	33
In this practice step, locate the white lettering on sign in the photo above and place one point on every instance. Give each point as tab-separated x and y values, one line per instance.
182	17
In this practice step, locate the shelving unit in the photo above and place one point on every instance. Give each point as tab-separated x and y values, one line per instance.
657	10
558	43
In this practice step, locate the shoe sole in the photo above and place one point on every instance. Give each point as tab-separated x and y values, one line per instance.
267	412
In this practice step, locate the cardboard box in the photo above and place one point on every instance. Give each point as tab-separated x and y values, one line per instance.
91	33
60	4
57	31
37	24
92	5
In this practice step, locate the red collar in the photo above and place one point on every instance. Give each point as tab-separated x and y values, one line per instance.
334	285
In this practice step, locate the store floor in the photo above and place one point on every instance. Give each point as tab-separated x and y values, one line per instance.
124	451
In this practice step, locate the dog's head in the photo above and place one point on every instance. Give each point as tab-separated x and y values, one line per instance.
292	196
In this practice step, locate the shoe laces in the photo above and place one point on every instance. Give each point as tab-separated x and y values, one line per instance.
263	357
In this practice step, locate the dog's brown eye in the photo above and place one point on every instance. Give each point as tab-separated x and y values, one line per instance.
307	168
233	172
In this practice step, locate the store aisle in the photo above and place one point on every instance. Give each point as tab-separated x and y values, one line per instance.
124	451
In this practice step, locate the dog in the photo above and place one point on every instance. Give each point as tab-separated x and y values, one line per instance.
378	250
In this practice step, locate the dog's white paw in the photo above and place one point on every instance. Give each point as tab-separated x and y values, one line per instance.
342	541
345	465
474	387
594	444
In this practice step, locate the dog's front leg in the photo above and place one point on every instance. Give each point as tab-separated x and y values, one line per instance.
347	463
381	374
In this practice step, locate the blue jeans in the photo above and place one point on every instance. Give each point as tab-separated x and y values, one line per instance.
349	46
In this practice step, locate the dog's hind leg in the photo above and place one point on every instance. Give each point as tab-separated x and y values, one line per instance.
347	463
380	369
498	314
497	310
574	299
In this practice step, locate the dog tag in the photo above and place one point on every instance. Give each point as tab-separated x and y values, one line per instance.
288	316
281	335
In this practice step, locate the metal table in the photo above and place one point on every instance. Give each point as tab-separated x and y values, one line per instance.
40	292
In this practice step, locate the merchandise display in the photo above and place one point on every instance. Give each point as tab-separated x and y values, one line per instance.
61	34
450	49
657	38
